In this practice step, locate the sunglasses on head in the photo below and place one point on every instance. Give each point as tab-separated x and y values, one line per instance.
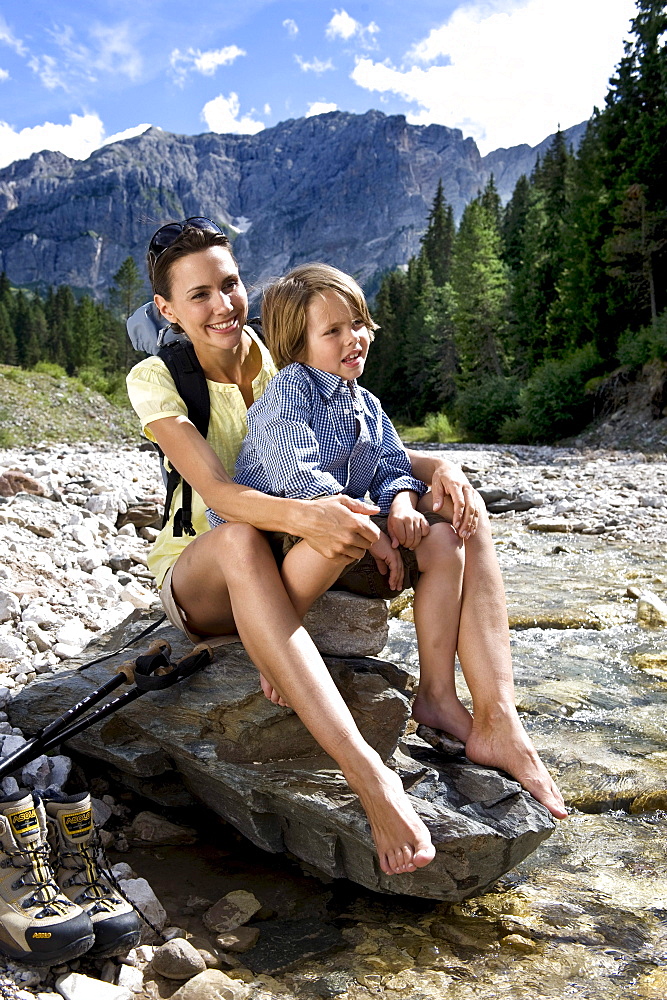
166	235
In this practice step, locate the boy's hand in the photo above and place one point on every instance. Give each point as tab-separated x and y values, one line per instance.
406	526
388	560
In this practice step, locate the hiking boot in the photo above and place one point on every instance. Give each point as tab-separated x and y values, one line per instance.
38	924
81	875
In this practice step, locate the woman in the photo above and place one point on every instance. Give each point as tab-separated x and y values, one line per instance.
215	583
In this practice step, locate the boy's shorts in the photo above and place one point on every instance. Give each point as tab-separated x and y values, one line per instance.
363	577
360	577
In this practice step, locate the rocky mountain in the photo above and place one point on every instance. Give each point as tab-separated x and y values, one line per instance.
353	190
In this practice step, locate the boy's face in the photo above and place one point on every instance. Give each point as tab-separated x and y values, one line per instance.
337	340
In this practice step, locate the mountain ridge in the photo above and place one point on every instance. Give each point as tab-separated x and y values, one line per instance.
354	190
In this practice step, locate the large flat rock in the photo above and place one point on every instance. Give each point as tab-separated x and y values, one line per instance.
256	765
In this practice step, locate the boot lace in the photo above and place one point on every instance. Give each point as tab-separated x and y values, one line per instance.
33	862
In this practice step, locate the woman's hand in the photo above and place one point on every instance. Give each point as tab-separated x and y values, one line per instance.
388	560
447	480
337	526
405	525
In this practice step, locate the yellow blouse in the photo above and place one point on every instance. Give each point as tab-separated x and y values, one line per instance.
153	395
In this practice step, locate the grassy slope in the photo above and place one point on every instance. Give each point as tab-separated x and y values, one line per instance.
38	408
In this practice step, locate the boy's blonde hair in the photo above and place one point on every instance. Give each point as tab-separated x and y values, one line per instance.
284	306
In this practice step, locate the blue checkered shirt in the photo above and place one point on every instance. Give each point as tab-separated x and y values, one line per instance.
315	434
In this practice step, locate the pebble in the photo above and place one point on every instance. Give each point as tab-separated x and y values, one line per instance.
212	985
178	959
154	829
74	986
233	910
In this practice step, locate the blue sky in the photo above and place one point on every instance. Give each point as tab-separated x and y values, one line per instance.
74	74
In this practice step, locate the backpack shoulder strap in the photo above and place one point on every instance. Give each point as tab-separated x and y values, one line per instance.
255	324
190	382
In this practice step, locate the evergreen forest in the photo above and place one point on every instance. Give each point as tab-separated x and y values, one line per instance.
504	325
507	324
75	336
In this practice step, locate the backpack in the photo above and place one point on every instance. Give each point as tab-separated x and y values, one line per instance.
150	332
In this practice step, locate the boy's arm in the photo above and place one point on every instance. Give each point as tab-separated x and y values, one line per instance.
393	474
283	443
447	479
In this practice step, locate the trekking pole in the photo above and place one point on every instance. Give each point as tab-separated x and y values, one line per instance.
151	671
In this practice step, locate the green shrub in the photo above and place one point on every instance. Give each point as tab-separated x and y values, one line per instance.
49	368
516	430
112	386
438	428
554	401
483	406
636	348
6	438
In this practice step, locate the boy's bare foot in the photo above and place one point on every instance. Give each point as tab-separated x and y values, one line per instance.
402	840
451	716
505	744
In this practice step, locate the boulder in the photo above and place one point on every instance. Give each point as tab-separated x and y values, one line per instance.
256	765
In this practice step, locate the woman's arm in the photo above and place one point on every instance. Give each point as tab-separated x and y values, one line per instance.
333	526
447	479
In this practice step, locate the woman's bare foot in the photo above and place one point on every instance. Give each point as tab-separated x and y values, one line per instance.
505	744
402	840
449	715
272	693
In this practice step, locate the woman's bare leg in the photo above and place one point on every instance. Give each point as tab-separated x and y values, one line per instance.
437	611
497	737
247	595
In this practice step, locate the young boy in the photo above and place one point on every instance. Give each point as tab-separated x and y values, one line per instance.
315	432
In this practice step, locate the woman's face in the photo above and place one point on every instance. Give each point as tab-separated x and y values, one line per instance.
208	299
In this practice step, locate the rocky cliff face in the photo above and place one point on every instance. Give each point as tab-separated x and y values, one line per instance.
352	190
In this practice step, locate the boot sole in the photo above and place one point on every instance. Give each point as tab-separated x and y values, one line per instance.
72	950
120	946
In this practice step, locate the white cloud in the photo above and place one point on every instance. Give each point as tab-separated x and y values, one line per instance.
320	108
510	76
7	37
127	133
343	25
315	65
117	51
291	27
267	109
47	70
222	115
202	62
4	75
83	135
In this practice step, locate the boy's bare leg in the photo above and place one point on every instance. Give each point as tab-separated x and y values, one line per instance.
437	610
497	737
228	580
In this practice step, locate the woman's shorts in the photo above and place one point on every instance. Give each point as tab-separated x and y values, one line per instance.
363	577
177	617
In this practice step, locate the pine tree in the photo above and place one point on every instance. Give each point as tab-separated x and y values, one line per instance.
87	334
480	284
514	223
125	295
29	330
59	309
438	240
7	337
542	257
